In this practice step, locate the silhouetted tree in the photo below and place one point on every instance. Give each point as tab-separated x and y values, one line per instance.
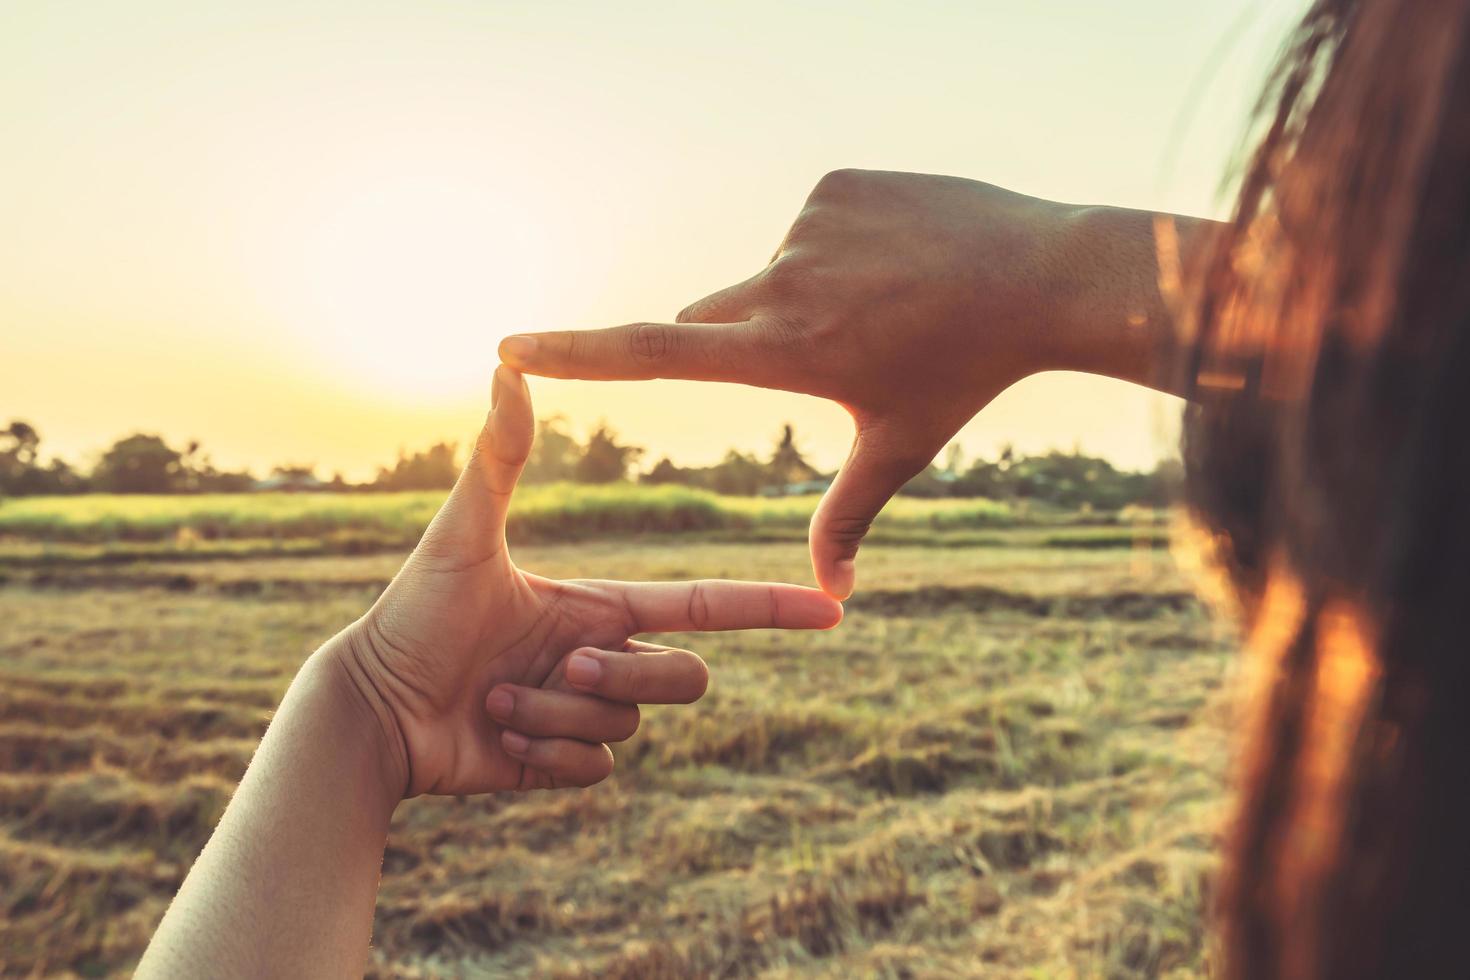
738	473
21	471
554	454
605	460
19	447
664	471
433	469
140	464
787	464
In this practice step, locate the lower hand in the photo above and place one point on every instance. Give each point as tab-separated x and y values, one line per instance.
485	677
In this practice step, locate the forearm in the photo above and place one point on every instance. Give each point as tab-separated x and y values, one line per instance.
1128	270
287	884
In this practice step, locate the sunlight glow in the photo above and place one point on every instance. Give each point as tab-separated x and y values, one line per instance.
408	285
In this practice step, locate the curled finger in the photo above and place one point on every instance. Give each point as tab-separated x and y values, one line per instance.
564	761
539	712
641	673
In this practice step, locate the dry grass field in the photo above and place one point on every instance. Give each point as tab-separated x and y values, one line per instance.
1008	761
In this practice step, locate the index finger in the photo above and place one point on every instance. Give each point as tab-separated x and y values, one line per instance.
717	604
740	352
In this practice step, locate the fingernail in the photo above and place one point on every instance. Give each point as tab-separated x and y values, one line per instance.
501	704
518	350
583	671
515	743
844	576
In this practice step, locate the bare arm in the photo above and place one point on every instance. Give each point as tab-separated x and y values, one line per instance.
468	675
912	300
286	885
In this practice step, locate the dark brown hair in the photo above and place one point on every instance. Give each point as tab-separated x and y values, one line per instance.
1328	452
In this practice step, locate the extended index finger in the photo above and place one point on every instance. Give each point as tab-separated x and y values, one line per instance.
717	604
741	352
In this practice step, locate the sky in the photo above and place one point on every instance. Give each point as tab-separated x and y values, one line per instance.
296	231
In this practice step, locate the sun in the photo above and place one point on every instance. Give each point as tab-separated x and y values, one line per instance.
406	285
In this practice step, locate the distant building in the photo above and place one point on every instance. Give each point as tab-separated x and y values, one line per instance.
288	483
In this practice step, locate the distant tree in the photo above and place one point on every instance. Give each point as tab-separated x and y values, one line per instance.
210	480
198	474
984	478
21	471
140	464
554	454
787	464
19	449
20	441
433	469
605	460
1162	487
664	471
738	474
58	477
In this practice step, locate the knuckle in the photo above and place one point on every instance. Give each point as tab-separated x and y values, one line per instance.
649	342
698	606
849	531
574	344
811	219
635	678
838	182
788	277
789	335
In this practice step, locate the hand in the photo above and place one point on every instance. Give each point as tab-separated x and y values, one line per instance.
485	677
913	301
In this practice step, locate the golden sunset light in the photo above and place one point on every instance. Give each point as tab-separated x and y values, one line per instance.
779	488
224	220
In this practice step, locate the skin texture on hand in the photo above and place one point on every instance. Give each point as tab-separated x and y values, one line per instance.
486	677
912	300
468	675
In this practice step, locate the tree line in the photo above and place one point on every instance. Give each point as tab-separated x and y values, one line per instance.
146	463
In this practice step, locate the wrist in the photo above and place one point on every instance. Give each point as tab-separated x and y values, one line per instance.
1113	319
348	670
1128	272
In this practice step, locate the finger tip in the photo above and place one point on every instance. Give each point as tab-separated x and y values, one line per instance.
507	376
500	703
819	610
514	743
838	579
516	351
584	668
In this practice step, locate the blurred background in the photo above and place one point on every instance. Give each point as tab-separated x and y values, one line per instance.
296	232
257	259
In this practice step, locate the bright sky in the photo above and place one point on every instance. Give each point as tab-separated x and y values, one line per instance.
297	230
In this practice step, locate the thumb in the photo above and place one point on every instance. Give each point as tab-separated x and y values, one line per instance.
504	444
880	463
470	527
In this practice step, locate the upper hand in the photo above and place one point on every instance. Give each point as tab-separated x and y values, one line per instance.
912	300
485	677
